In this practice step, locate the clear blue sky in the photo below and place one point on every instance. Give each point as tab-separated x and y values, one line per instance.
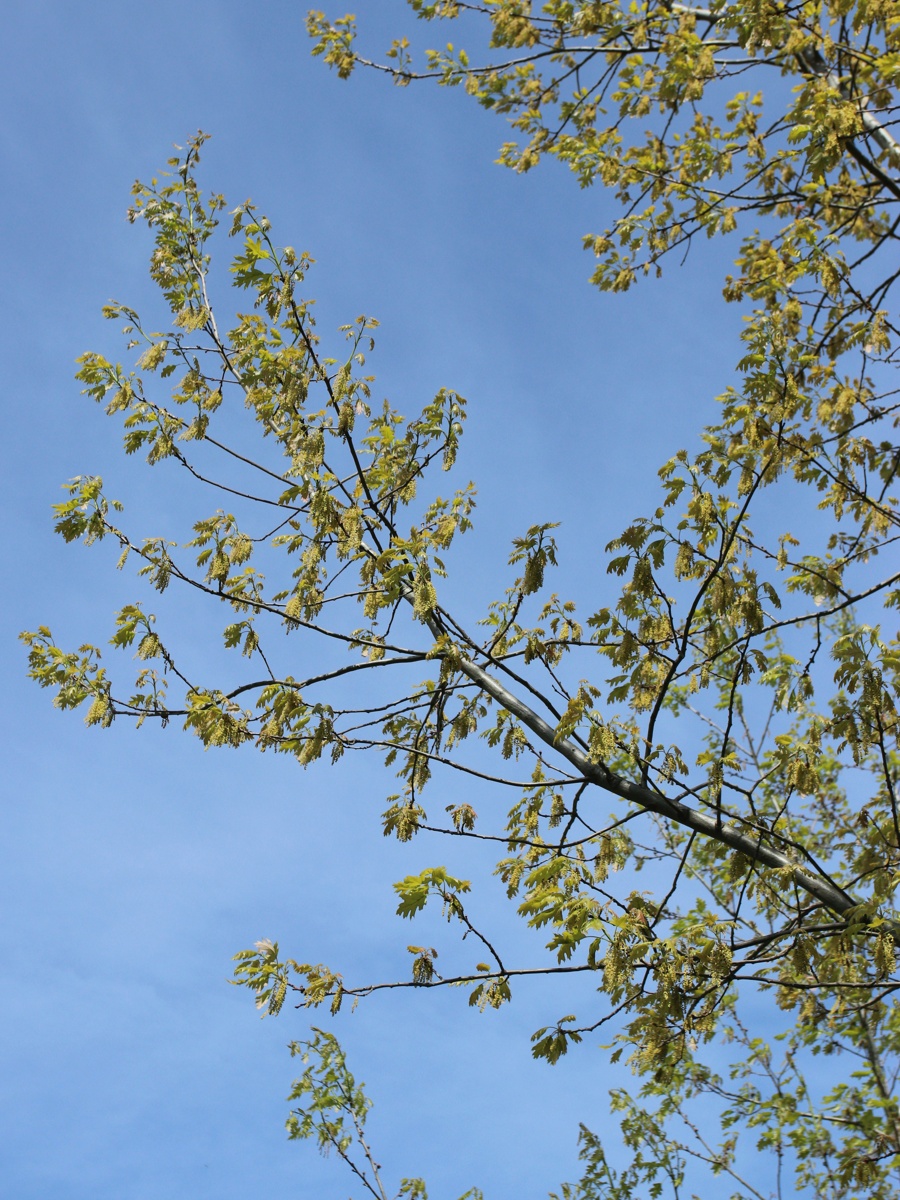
135	864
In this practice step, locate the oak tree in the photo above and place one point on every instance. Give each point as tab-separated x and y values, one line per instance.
705	764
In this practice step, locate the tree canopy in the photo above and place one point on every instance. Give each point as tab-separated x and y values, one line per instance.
703	765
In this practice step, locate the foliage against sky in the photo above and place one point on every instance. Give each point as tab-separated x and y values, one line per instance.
745	715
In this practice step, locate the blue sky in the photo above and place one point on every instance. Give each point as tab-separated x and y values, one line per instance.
136	864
